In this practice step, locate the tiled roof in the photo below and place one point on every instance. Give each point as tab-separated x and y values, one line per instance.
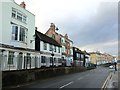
78	50
46	39
66	38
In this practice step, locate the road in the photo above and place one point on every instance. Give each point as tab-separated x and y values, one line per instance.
88	79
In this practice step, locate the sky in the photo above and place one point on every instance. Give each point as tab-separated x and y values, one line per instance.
91	24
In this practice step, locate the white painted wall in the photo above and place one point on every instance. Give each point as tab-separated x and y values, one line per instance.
1	19
14	66
42	49
6	19
56	54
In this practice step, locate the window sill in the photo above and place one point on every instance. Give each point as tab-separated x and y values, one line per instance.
19	41
11	65
19	20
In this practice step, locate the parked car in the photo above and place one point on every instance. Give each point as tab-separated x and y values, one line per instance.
111	67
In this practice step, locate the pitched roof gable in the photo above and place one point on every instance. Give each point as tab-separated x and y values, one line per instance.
46	39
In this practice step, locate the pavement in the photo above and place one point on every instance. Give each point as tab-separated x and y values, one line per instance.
113	80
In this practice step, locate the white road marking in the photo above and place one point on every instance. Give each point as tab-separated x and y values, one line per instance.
66	85
80	78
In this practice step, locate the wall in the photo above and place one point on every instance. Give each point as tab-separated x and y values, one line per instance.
93	58
14	78
16	61
6	25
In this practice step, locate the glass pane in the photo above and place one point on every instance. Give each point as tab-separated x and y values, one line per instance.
13	13
24	19
19	16
10	58
14	32
22	34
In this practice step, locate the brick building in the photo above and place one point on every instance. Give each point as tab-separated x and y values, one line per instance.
64	41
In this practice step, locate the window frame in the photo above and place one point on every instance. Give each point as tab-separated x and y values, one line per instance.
44	45
14	13
14	32
58	49
50	47
55	48
17	34
10	58
17	14
22	34
43	59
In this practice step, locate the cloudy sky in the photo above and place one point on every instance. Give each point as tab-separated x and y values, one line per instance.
91	24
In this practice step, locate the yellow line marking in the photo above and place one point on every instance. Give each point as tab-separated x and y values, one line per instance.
106	82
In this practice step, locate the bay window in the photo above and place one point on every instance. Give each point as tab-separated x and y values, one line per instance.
14	32
22	34
19	33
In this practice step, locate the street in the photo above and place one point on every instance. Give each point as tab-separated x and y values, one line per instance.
89	79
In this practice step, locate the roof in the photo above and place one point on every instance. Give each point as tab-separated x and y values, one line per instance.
46	38
93	53
78	50
66	38
18	48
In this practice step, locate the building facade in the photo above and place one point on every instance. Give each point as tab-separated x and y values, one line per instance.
100	58
50	50
64	41
17	44
80	58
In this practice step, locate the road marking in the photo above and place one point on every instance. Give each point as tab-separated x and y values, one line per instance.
80	78
106	82
66	85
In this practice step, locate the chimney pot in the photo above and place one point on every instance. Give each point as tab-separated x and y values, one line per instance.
23	5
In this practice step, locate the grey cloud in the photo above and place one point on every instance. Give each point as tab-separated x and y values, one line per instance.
101	27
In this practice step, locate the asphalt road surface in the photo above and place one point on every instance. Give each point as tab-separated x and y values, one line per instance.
88	79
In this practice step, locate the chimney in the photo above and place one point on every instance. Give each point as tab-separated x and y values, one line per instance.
66	36
23	5
52	27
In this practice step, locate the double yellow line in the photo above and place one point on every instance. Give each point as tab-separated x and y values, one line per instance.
104	87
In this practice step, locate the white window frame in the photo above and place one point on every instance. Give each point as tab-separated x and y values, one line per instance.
50	47
14	12
18	33
44	46
18	14
10	58
58	49
14	32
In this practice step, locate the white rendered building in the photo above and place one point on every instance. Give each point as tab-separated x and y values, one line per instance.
50	50
17	44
